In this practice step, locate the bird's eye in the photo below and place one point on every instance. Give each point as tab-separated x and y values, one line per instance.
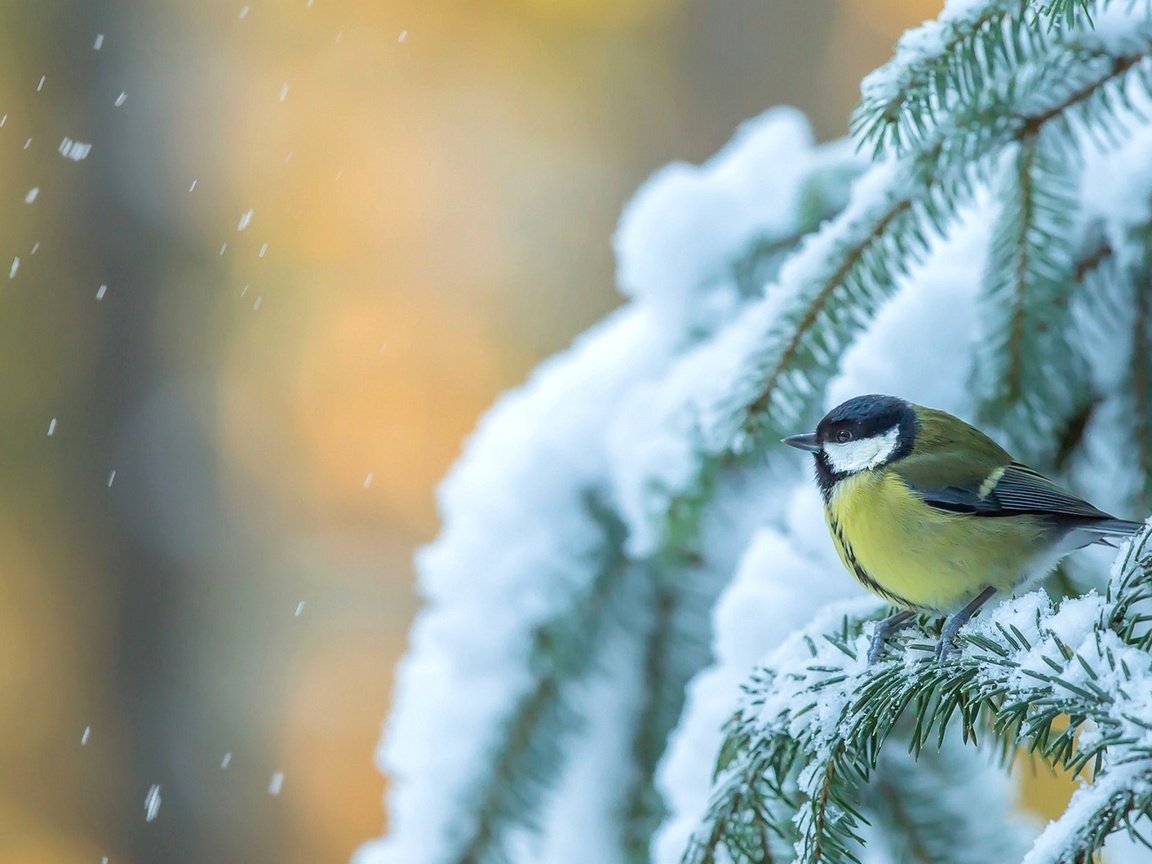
843	436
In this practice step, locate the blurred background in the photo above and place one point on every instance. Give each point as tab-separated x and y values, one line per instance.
244	332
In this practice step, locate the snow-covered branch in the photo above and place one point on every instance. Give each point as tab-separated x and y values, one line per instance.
949	63
529	585
812	726
623	539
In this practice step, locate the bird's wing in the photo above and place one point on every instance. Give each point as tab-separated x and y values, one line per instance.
1010	490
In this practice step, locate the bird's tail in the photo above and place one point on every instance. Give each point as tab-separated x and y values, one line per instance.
1119	526
1106	528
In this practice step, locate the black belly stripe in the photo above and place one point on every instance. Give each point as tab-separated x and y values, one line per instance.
860	573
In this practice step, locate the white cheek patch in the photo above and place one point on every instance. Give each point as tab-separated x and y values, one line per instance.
856	456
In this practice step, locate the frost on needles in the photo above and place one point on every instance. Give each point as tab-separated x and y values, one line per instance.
624	541
811	727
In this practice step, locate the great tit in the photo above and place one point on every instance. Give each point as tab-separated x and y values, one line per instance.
934	516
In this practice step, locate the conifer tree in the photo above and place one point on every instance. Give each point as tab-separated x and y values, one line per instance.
636	645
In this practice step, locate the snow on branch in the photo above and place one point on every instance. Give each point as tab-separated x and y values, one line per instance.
697	241
950	61
789	571
773	361
1113	273
601	509
1031	378
512	626
813	723
528	580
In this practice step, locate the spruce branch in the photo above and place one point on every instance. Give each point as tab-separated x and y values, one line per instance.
643	810
1030	378
1067	13
1114	305
1125	303
830	289
823	194
922	810
820	714
1141	380
1008	81
948	63
1094	813
854	263
935	182
684	585
530	755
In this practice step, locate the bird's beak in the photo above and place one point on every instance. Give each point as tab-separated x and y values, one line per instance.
803	442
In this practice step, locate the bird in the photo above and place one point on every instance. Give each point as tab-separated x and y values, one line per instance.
932	515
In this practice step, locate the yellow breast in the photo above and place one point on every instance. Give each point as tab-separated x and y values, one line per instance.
920	557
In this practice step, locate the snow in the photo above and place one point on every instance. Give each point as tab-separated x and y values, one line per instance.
684	227
590	793
152	802
77	151
276	783
33	193
227	760
51	427
469	662
921	48
915	344
1123	849
1117	30
101	291
1116	189
84	737
245	220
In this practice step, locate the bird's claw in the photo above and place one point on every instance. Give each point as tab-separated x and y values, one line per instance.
946	647
883	630
876	648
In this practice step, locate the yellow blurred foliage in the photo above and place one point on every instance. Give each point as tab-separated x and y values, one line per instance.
333	721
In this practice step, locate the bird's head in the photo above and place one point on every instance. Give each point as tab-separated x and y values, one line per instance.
864	433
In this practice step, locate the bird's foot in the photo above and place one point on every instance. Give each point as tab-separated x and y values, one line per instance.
883	630
946	647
